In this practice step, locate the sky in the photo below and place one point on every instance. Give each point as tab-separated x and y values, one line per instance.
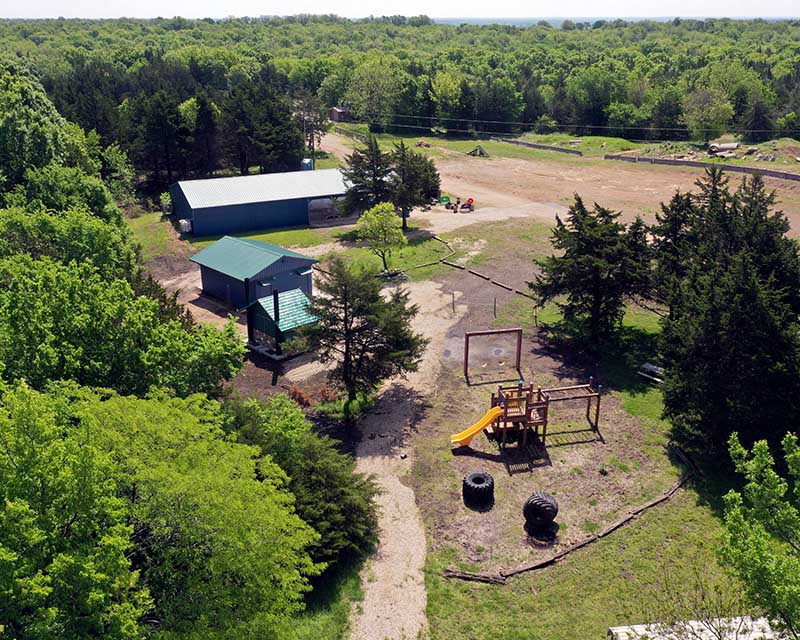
362	8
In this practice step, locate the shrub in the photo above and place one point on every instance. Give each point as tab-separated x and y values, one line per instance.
329	495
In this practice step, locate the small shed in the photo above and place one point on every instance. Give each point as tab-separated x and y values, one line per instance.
276	318
218	206
239	271
339	114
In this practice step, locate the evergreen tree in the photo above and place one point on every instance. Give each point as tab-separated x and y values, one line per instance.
600	265
367	336
367	174
732	354
757	120
205	135
731	340
673	246
414	181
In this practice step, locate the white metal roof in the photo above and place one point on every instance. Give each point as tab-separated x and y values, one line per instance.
265	187
743	628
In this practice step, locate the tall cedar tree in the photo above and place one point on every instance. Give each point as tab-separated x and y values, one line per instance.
368	336
602	263
731	342
366	173
414	181
672	246
762	522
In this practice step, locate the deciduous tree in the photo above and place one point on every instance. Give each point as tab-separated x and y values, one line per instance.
379	228
762	522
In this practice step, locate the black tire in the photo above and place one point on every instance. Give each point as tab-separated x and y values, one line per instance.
478	488
540	510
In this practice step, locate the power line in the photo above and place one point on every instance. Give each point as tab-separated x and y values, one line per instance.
562	126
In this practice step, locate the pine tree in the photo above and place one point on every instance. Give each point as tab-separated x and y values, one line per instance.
368	336
367	174
414	181
600	265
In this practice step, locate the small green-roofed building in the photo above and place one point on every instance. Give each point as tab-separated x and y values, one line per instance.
282	323
240	271
293	312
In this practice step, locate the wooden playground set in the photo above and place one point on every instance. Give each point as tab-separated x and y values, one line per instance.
519	412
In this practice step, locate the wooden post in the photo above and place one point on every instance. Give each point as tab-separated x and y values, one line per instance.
466	355
519	350
597	408
454	301
495	308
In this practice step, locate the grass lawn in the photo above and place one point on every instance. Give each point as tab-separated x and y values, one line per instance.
327	613
291	237
420	250
153	233
613	581
591	146
608	583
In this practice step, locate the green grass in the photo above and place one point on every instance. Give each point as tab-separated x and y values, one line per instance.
419	251
153	234
608	583
591	146
292	237
327	614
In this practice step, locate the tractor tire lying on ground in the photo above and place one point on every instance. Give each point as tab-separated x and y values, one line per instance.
478	488
540	510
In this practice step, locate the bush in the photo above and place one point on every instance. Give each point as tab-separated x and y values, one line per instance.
329	495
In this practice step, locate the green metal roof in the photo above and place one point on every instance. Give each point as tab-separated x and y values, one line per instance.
241	258
292	309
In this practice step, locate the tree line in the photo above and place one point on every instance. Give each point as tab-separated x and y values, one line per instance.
720	269
139	496
187	98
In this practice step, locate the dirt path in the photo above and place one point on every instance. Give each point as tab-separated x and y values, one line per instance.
393	581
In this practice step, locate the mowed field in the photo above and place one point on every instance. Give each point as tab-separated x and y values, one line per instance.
597	478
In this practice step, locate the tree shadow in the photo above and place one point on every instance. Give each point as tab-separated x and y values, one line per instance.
612	362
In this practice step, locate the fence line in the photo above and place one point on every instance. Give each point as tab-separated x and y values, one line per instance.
535	145
350	134
781	175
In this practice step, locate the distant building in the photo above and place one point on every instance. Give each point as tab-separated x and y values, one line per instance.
241	271
339	114
219	206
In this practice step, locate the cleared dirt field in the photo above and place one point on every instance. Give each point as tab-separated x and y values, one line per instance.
515	187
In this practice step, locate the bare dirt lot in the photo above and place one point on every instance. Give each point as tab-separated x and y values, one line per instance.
533	187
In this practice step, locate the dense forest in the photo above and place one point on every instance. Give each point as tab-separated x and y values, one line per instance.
139	496
191	97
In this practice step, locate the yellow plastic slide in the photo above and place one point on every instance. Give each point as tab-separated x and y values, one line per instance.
465	437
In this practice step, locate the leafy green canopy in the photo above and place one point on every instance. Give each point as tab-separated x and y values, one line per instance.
329	495
65	535
380	228
66	322
32	133
762	522
70	235
126	518
367	336
59	188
